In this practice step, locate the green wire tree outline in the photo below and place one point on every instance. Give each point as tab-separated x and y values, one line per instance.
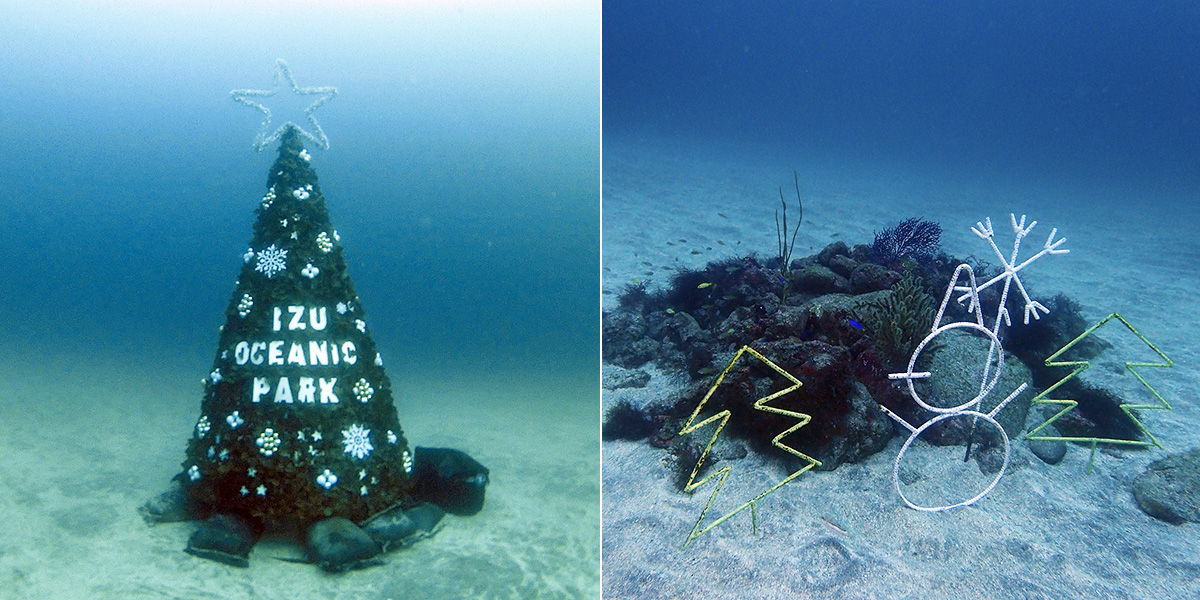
724	417
1083	365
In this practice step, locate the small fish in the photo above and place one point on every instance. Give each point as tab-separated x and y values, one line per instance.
682	241
637	281
670	311
731	269
835	526
722	215
606	293
855	324
695	252
670	244
704	285
648	273
647	263
720	243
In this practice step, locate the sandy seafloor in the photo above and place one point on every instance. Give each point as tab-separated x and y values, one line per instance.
88	434
1045	531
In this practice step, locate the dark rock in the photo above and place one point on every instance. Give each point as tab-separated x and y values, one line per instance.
167	507
827	255
1169	489
395	528
451	479
625	341
843	265
846	424
337	544
870	277
819	279
1050	452
224	538
956	362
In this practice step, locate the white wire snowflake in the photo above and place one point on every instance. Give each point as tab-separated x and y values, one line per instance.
1012	268
271	261
357	442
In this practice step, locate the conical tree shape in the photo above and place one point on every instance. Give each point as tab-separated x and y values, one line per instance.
297	420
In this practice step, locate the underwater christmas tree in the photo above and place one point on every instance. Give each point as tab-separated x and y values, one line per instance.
297	421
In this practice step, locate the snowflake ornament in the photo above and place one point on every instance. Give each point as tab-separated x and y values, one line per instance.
363	390
341	308
271	261
357	441
1012	267
323	242
327	479
202	426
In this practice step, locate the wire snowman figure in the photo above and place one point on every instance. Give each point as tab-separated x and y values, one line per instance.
970	292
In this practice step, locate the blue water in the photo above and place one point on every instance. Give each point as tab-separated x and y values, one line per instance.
1106	90
463	173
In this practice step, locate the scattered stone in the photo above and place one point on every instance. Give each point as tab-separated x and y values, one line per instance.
1169	489
1051	452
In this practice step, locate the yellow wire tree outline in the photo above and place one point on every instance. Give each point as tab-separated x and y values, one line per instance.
723	417
1083	365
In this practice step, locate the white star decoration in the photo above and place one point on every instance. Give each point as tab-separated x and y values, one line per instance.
284	75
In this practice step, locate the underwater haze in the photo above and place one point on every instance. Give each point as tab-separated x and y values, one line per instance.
462	172
1105	89
462	177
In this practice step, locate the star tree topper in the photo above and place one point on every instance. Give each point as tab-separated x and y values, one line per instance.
283	74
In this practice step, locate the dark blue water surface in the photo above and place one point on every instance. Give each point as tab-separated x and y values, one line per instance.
1098	89
463	174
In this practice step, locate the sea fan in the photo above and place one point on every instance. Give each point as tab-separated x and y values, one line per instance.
914	238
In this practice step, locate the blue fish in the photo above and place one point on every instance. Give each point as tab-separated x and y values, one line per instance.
855	324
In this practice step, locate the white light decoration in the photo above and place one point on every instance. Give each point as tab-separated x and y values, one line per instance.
244	305
194	473
202	426
310	271
268	442
234	419
324	244
284	75
363	390
327	479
